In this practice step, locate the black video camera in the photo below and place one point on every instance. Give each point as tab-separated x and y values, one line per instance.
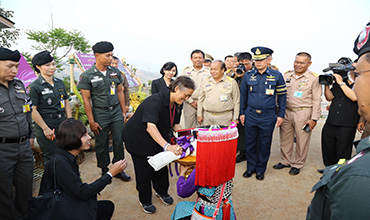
342	67
240	69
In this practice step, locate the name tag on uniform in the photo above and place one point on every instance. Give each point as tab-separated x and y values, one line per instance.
96	79
298	94
223	98
270	92
112	89
26	108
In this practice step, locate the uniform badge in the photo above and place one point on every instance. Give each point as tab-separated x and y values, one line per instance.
270	78
80	79
28	90
253	78
363	38
96	79
113	74
188	73
2	110
17	87
49	101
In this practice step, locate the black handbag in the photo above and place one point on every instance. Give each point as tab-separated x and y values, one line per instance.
59	205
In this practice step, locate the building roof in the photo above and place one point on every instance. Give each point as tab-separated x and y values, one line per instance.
5	23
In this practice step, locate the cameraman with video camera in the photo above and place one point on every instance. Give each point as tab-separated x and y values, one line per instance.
245	64
340	127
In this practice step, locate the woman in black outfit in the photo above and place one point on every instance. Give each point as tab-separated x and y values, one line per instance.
72	138
148	133
168	71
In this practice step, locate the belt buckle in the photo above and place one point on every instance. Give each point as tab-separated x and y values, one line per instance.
59	115
22	139
110	108
258	111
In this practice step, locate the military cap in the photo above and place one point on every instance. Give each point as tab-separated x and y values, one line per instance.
41	59
6	54
208	57
261	53
362	43
102	47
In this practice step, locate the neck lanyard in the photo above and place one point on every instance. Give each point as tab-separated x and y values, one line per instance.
172	116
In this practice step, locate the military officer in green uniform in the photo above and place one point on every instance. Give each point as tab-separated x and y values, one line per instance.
16	163
104	101
50	103
343	191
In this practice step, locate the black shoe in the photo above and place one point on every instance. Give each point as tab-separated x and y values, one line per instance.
104	170
247	174
321	171
279	166
148	208
166	199
123	176
260	176
241	157
294	171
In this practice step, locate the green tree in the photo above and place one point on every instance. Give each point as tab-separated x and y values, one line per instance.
60	43
8	36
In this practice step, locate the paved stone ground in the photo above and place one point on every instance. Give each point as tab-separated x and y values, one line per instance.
279	196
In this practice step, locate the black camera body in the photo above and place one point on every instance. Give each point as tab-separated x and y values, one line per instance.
342	67
240	69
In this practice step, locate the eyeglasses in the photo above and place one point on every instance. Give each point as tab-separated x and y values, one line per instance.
357	73
300	63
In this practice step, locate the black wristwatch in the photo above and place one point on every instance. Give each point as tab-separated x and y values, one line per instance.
314	120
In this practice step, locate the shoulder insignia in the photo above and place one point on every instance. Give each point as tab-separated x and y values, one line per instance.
288	71
229	78
315	74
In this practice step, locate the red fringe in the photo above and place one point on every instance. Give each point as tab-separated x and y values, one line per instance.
215	162
226	211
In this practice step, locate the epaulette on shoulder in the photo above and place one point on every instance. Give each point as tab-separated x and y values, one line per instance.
288	71
315	74
229	78
187	67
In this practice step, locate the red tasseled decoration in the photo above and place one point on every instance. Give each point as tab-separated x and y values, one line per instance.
226	211
215	162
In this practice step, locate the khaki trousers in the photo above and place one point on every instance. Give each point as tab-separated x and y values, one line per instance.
190	116
290	128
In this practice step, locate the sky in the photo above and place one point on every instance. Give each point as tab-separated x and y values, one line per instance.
151	33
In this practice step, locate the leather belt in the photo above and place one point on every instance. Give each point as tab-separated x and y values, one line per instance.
297	109
110	108
259	111
52	115
19	140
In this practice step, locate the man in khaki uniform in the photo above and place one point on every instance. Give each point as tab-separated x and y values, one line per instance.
219	100
198	73
303	108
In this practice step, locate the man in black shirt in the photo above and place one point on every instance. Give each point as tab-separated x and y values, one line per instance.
339	130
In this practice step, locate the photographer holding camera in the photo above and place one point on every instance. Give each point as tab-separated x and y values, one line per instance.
339	130
245	64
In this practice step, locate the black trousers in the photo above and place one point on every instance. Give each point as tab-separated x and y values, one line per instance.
336	143
145	176
105	210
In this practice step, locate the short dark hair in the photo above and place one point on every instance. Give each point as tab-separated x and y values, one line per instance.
182	82
115	58
228	56
168	66
244	56
304	54
69	134
223	65
197	51
237	54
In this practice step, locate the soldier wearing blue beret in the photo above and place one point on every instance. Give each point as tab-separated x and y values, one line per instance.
259	90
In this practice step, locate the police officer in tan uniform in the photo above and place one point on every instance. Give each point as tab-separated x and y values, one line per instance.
219	100
198	73
303	108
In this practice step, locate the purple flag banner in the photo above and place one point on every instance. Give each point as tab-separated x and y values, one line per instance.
88	60
25	72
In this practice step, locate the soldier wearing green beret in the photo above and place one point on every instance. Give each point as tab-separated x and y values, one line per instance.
104	101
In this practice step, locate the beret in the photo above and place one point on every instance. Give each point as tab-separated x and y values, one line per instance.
42	58
102	47
362	43
6	54
261	53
